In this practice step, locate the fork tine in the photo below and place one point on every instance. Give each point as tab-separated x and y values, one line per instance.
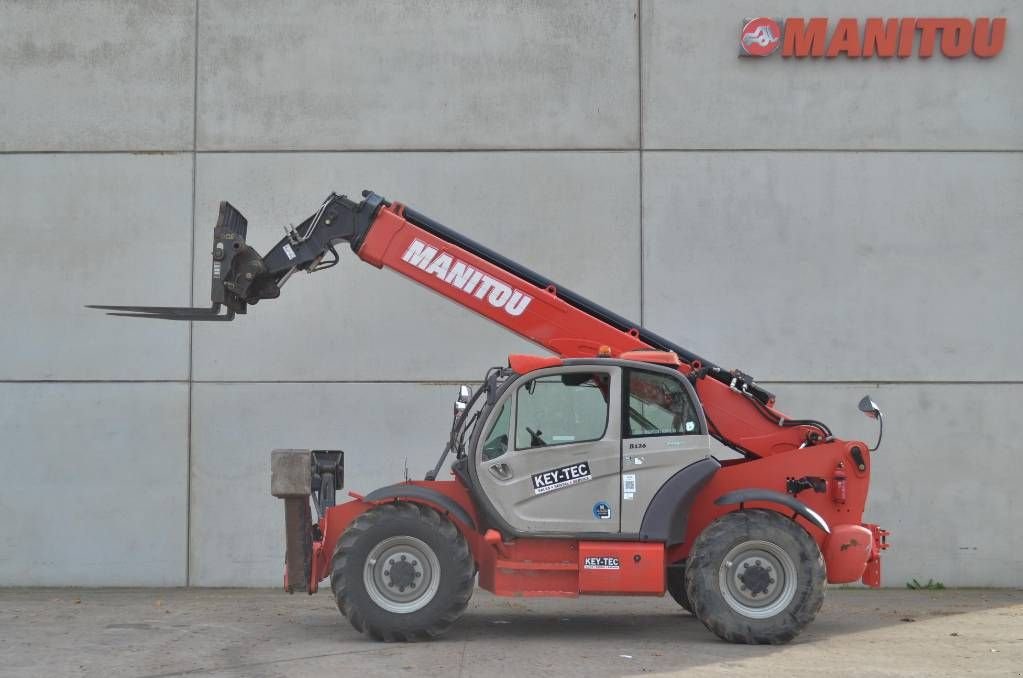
166	312
173	310
158	316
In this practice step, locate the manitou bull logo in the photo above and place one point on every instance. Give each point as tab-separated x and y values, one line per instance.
885	38
760	36
462	276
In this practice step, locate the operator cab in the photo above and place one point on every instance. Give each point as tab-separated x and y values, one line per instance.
580	446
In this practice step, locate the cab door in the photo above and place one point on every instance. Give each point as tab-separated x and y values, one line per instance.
549	458
663	431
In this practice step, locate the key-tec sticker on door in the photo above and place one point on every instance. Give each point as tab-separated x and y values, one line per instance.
555	479
601	563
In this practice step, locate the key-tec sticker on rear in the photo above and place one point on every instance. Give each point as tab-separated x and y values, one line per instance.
555	479
601	563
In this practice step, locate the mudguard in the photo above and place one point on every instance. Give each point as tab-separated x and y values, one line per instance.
414	492
760	494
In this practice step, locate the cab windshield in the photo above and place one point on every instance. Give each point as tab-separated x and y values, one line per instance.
464	425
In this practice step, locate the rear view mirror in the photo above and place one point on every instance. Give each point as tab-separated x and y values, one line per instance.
870	408
462	401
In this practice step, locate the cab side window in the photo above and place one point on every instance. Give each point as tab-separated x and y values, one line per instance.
658	405
560	409
495	442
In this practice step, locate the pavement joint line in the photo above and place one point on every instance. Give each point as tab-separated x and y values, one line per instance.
461	657
269	662
397	151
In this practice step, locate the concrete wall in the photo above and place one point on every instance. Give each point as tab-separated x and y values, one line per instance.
833	227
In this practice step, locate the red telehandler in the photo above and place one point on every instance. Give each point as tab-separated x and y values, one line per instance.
586	472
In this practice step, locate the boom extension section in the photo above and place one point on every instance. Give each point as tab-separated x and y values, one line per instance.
382	233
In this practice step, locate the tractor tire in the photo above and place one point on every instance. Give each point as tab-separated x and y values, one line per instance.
677	587
755	577
402	572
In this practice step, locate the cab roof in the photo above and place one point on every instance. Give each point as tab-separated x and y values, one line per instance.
522	363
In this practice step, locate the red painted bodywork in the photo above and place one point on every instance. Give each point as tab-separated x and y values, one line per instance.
638	568
553	567
527	363
846	551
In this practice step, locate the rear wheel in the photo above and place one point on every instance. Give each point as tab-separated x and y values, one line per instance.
677	586
402	572
755	577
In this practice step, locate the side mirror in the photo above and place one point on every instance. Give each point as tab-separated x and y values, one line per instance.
462	401
870	408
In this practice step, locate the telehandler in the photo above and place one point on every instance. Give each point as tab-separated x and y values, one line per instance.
585	472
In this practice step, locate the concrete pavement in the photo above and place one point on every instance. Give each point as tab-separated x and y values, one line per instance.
261	633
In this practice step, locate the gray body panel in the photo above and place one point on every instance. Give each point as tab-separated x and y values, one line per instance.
648	463
667	516
507	480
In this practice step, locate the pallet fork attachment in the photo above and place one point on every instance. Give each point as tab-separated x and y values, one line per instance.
241	276
231	257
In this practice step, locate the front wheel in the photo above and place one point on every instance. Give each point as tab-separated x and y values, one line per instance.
755	577
402	572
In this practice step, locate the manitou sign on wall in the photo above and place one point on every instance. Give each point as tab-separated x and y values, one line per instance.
819	37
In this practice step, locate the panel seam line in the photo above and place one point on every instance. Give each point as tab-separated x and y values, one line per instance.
191	298
639	113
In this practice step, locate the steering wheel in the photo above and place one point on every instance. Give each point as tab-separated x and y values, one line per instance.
534	438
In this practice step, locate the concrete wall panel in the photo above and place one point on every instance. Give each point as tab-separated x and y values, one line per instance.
698	93
349	74
100	75
93	229
572	216
944	478
920	488
237	527
94	489
839	267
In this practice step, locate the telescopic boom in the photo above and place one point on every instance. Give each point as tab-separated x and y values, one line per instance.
740	413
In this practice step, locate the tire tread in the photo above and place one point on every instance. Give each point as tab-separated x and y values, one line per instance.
712	610
455	542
